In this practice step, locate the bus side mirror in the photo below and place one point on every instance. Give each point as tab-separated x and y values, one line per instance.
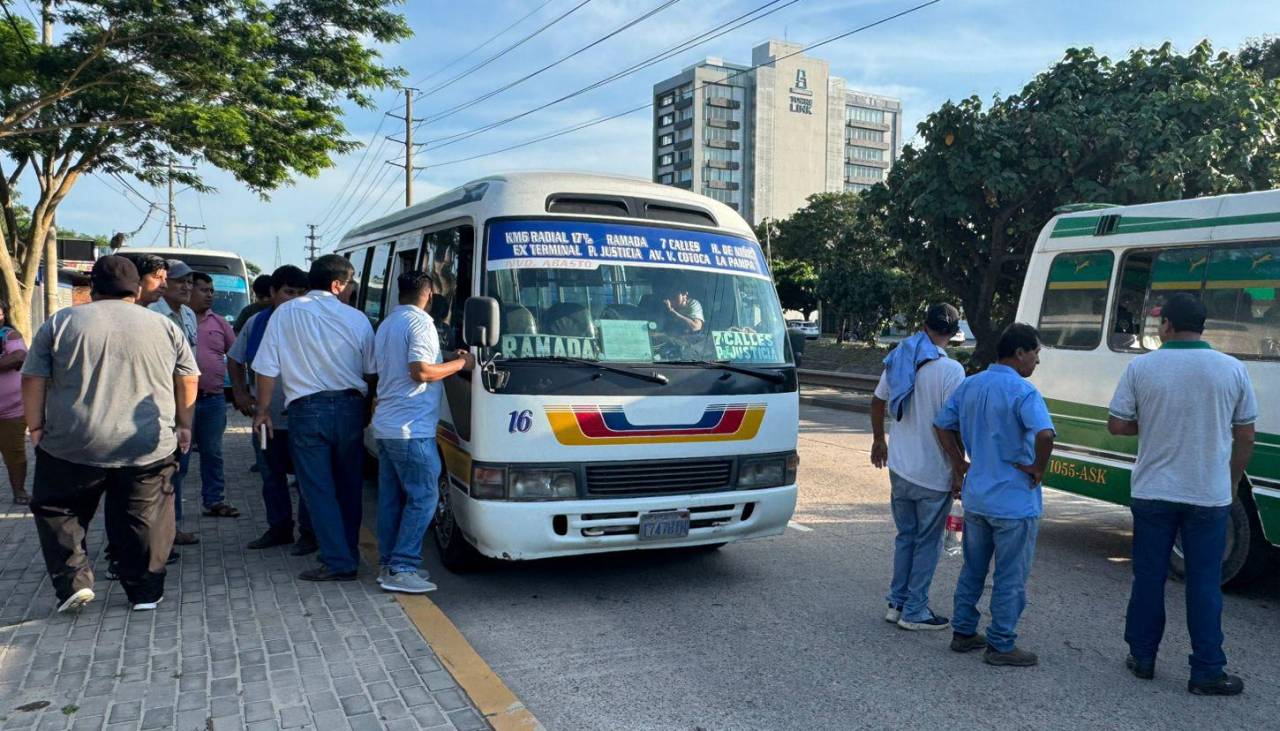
480	322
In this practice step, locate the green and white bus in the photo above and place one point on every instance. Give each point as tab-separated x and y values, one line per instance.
1095	283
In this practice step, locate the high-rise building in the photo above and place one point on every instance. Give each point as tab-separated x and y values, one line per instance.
764	140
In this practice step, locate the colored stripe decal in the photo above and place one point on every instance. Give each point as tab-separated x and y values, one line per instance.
597	425
1088	224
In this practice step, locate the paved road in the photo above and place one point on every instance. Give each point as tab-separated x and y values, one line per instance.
788	633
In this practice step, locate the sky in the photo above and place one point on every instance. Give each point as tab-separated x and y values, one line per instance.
950	50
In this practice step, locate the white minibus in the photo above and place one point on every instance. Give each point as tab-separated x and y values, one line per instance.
636	387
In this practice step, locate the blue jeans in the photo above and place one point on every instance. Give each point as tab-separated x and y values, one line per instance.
325	431
1204	540
275	465
408	488
920	515
1012	541
207	429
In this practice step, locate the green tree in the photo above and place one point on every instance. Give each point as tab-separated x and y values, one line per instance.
969	200
797	283
251	87
254	269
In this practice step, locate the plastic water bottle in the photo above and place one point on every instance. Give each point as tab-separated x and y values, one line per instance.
953	534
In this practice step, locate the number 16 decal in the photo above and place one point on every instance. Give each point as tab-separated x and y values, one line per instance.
521	421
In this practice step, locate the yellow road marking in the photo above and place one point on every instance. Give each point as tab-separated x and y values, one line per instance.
495	701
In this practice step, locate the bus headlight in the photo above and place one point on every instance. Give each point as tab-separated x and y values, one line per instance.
534	484
769	472
489	483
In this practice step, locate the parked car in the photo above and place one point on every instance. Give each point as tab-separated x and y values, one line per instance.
963	335
810	329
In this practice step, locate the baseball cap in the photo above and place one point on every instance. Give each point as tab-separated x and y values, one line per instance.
114	276
942	318
179	269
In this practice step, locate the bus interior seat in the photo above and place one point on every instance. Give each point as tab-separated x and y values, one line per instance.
622	312
568	318
518	320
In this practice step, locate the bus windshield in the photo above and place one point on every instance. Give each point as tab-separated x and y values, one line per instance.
634	294
230	286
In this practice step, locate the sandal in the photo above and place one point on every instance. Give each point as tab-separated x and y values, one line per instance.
221	510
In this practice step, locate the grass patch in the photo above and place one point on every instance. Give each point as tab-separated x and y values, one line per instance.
825	354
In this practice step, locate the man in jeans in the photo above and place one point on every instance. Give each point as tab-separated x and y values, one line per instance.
322	349
918	379
174	303
108	391
214	339
1003	421
410	369
1193	410
274	463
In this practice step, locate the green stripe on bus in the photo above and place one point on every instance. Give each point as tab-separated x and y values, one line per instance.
1087	225
1268	515
1102	482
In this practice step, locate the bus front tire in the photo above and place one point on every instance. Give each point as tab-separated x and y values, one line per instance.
456	553
1248	556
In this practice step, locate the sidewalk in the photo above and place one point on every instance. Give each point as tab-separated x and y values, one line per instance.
238	643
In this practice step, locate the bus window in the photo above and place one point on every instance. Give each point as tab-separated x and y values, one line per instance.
1240	297
1126	321
448	253
404	261
1172	271
1075	300
377	284
359	259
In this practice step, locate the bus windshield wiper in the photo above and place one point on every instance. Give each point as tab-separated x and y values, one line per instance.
657	378
725	365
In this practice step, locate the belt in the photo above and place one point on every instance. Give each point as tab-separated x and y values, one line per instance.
212	394
328	395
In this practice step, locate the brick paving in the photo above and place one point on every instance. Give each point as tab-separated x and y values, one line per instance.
238	643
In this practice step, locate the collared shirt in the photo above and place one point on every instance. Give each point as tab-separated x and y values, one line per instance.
1185	397
998	414
317	343
240	353
185	320
406	409
214	338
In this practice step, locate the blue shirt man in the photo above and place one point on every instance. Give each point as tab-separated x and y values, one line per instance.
410	368
1004	423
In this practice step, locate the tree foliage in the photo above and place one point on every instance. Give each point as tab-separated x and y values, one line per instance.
255	88
969	200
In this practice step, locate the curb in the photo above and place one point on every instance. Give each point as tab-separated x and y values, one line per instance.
835	403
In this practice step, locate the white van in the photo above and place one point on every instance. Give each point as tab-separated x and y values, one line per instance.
1096	280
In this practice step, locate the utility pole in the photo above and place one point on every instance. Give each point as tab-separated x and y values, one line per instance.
51	236
312	249
768	242
277	259
187	230
409	169
173	213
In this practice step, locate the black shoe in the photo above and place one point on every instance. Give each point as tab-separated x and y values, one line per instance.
173	558
272	538
967	643
113	571
1223	685
1144	670
1015	658
322	573
306	544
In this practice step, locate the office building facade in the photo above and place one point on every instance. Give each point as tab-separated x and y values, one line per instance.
764	140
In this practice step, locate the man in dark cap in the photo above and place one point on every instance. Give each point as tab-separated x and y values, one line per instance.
116	436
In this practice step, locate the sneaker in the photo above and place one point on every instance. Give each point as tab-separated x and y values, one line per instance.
306	544
322	573
272	538
934	622
147	606
1223	685
1146	670
1015	658
894	614
77	600
967	643
407	582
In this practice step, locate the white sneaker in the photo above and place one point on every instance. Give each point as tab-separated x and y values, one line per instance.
384	573
77	600
147	606
893	615
407	582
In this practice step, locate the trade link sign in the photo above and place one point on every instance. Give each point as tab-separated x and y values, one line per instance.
587	245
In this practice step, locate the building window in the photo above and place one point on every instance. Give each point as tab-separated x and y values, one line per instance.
685	176
684	135
718	155
666	139
665	120
863	114
1075	300
727	176
683	114
862	133
856	187
666	179
720	134
853	172
857	152
667	100
684	155
665	159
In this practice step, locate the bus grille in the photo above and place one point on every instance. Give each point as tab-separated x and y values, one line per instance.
659	478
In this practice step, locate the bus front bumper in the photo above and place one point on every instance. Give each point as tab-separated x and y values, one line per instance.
518	531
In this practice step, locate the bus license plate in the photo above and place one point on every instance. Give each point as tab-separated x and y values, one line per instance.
664	525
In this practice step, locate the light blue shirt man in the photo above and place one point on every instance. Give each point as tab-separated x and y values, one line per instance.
406	408
998	414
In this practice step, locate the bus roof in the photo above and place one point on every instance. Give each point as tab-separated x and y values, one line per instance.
175	253
529	190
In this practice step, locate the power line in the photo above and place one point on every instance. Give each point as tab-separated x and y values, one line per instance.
629	24
503	52
350	192
688	44
337	226
346	188
699	88
491	39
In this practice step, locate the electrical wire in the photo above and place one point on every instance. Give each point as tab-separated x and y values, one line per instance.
491	39
346	188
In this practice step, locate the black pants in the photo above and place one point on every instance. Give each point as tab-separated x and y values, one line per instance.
139	518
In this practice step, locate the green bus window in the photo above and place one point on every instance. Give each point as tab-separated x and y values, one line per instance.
1172	271
1075	300
1240	297
1131	291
